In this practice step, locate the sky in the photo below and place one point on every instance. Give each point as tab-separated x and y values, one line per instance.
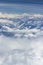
22	1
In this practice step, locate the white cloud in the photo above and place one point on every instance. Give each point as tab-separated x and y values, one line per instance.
9	15
33	48
7	29
5	21
30	40
24	32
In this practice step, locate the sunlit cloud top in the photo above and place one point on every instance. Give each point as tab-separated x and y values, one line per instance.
21	25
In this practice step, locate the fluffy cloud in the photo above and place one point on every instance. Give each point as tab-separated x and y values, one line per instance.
21	49
20	43
21	25
7	15
5	21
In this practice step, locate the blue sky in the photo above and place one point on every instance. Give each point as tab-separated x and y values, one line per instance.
21	8
22	1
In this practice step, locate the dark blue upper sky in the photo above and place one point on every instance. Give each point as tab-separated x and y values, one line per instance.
22	1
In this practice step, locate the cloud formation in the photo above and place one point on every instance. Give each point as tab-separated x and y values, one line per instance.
21	51
21	37
9	15
21	25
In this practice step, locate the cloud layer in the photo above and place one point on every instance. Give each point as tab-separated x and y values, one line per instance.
21	37
21	25
21	51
